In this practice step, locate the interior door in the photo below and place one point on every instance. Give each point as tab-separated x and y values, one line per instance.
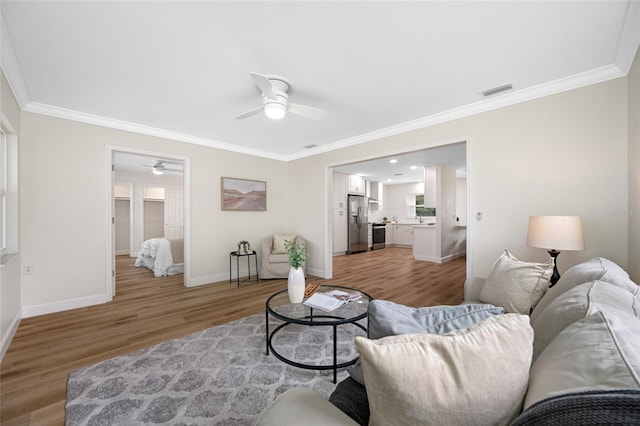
173	213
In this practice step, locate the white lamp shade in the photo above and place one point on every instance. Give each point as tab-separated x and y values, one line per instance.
561	233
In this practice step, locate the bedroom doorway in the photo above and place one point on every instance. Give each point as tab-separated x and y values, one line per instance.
148	204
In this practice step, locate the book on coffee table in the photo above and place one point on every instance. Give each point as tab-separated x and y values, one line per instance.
330	300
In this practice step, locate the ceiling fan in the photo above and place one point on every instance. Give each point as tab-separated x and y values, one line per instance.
275	100
158	167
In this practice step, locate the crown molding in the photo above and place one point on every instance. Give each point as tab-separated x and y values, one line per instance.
10	66
629	37
98	120
576	81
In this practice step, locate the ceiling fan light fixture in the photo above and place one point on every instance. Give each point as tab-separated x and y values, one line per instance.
157	171
275	110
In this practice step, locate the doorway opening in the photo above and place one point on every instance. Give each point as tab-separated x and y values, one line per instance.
401	188
148	213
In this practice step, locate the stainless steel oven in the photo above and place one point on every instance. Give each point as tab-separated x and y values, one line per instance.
379	236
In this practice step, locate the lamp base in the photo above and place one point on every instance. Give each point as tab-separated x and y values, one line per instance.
556	275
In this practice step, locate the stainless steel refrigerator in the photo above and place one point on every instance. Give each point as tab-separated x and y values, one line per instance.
358	223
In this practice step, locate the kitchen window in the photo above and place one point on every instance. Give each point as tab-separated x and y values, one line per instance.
415	207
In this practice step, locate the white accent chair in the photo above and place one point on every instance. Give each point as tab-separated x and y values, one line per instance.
274	260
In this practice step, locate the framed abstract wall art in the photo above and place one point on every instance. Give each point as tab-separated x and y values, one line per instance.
243	194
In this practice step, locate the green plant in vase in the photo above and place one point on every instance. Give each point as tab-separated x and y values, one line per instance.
297	254
295	282
244	247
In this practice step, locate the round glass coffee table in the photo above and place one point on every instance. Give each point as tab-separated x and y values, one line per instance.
288	313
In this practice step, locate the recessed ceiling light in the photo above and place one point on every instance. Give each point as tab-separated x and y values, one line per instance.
413	167
393	161
389	180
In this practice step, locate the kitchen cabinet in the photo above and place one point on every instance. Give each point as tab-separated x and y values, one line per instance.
340	219
355	185
340	231
399	234
339	190
404	235
389	238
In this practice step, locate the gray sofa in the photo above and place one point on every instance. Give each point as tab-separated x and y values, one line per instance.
584	366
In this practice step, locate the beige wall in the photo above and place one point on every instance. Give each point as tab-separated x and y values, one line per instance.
10	266
634	169
67	245
564	154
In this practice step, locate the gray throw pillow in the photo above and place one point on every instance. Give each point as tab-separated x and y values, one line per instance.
390	319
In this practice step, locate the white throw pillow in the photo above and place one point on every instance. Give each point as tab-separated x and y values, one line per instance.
515	285
278	242
577	303
597	352
597	268
473	376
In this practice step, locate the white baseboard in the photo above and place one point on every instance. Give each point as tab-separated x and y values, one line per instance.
8	337
63	305
121	252
441	259
208	279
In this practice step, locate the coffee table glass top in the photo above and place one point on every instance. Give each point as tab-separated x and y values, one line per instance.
280	307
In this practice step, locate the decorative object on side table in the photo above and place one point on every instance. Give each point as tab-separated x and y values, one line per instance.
244	247
296	283
556	234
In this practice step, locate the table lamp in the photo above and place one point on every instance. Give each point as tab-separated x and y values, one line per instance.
555	234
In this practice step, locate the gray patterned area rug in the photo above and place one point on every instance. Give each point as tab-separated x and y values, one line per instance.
219	376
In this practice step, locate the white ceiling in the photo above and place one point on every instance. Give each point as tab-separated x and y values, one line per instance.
181	69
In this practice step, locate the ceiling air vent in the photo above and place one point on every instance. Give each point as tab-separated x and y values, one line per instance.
313	145
496	90
398	174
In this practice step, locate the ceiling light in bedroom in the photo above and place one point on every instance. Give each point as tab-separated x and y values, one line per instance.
158	171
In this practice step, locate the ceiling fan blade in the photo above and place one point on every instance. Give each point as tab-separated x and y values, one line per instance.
251	112
264	85
307	111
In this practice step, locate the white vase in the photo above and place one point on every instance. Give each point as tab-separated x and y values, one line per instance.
295	285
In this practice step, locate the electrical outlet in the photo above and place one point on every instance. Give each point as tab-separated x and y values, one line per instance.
28	270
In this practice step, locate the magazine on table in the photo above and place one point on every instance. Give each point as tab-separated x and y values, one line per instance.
330	300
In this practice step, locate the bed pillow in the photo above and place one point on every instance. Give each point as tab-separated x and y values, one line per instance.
278	242
516	285
387	318
597	352
473	376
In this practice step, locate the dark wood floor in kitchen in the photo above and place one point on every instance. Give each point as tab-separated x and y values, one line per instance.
148	310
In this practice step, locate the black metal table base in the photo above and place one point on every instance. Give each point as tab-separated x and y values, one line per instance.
238	256
335	366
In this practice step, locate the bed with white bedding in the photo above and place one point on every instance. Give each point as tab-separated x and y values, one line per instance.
163	256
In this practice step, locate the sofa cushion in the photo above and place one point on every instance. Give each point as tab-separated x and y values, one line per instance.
387	318
516	285
596	352
278	243
302	406
278	258
597	268
477	375
577	303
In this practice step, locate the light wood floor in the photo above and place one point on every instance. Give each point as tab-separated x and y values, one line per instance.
148	310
